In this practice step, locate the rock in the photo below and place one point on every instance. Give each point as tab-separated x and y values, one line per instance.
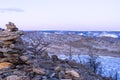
13	77
38	77
8	36
28	68
5	65
19	72
55	58
24	78
48	64
17	46
58	69
11	27
68	76
24	58
7	42
40	71
5	50
29	61
72	73
72	63
11	55
4	60
45	55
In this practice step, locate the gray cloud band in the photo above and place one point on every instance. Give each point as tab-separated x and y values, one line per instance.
2	10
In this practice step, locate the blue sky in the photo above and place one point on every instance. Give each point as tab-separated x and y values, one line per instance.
61	14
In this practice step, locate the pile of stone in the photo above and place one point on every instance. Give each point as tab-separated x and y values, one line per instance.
11	46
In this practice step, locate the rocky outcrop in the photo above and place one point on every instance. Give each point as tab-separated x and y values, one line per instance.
11	46
16	63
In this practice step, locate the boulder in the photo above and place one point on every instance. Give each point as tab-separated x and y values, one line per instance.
24	58
4	65
58	69
13	77
72	73
40	71
24	78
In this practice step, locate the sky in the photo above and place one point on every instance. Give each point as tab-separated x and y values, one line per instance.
80	15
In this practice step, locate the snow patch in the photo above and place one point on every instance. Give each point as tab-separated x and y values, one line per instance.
104	34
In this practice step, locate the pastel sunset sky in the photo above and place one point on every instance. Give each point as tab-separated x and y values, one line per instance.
80	15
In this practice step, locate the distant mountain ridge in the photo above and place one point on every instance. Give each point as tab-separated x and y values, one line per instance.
114	34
